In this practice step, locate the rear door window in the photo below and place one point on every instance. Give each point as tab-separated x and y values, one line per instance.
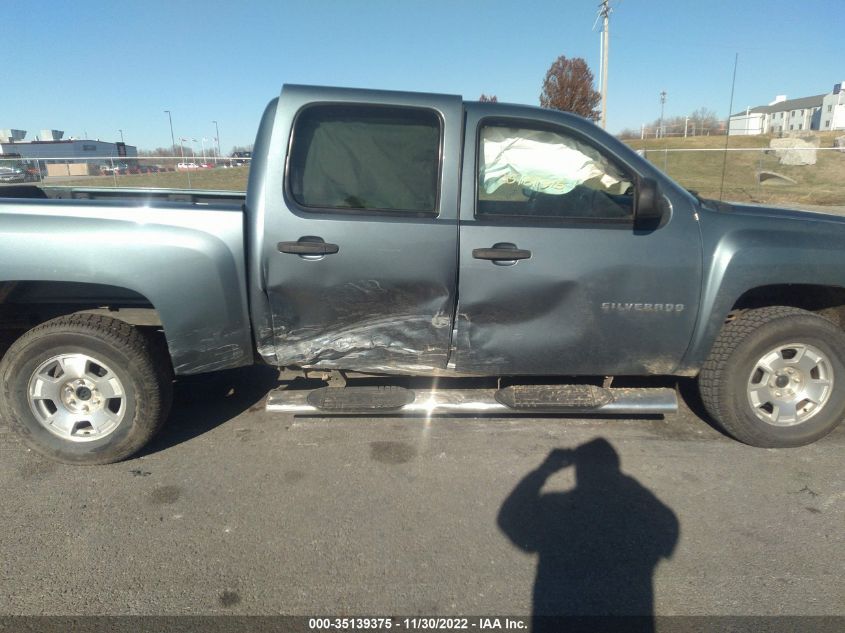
366	159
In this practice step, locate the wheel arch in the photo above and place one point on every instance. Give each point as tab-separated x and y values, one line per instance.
24	304
828	300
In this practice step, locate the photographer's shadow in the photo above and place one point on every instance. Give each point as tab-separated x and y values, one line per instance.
598	544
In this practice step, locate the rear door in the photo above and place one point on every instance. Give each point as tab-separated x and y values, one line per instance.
554	276
360	247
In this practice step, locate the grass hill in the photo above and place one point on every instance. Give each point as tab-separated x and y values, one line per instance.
697	163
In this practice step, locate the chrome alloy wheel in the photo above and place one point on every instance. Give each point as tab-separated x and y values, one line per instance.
790	384
77	397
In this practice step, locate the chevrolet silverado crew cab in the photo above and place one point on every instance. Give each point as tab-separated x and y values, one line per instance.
420	235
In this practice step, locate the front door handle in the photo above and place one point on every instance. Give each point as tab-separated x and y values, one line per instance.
501	253
307	248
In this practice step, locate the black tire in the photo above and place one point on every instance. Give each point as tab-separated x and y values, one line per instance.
724	379
138	361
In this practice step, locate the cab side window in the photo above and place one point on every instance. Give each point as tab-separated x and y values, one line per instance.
366	158
548	174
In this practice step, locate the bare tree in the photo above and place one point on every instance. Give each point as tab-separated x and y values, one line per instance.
241	148
488	98
628	133
569	86
704	120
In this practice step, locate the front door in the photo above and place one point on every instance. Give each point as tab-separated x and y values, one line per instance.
554	277
361	260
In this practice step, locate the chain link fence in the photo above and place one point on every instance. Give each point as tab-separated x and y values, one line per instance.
168	172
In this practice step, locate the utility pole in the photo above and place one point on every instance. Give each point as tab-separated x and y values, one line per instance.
604	13
661	131
121	135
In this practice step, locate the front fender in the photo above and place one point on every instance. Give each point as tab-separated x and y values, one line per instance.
750	249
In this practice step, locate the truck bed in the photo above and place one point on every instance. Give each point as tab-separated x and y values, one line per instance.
180	253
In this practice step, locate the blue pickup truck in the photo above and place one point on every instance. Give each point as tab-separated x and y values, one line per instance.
418	235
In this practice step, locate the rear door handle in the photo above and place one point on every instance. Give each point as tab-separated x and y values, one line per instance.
307	248
500	253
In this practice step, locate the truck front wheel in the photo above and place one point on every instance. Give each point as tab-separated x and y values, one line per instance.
776	377
85	389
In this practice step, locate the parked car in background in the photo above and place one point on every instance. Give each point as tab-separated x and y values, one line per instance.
186	166
12	174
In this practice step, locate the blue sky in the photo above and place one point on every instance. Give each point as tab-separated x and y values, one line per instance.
99	66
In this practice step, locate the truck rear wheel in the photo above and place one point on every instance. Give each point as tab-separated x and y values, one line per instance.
776	377
85	389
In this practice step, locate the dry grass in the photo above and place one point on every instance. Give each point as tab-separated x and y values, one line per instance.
233	179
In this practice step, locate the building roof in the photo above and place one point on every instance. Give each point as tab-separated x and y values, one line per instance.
62	141
789	104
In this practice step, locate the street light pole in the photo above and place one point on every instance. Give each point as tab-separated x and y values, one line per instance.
217	138
662	105
172	138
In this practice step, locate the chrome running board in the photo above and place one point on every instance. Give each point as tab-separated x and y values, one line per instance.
529	400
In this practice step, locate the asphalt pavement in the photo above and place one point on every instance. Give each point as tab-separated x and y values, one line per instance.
235	510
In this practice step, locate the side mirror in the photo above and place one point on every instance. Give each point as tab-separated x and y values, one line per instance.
649	207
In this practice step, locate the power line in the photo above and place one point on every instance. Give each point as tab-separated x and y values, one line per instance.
728	131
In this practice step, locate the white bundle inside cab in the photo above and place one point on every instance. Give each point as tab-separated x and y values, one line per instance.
541	161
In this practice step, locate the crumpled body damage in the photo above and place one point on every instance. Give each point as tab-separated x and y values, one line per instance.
363	326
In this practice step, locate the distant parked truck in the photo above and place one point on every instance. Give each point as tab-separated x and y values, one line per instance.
419	234
241	158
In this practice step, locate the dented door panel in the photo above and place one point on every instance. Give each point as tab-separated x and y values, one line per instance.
385	308
593	298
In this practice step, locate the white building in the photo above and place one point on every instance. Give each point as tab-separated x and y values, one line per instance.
68	149
784	116
833	109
